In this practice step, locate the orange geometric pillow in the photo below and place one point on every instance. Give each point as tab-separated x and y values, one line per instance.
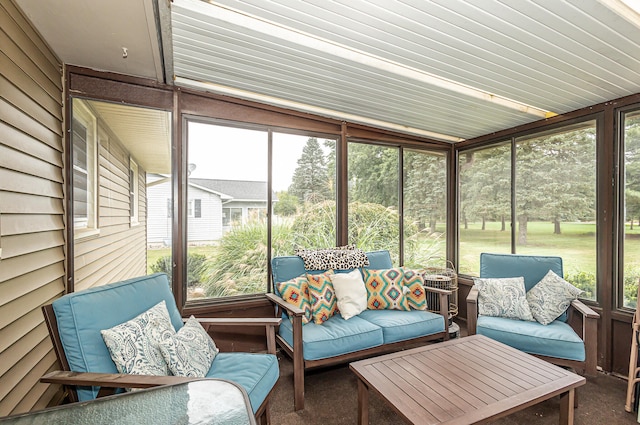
385	290
322	296
296	292
415	293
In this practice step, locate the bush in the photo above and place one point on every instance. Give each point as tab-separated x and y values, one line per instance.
585	281
195	267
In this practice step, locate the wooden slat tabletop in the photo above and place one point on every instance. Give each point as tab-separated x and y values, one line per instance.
463	381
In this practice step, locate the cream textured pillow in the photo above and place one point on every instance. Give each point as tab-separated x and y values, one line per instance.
504	297
190	351
350	292
550	297
133	345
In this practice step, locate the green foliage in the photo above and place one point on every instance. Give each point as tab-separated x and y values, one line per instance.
310	181
195	267
585	281
373	174
287	204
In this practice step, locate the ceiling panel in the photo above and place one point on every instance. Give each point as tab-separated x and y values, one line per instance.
555	56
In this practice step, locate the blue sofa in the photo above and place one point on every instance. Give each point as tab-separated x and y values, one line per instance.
75	321
337	340
557	342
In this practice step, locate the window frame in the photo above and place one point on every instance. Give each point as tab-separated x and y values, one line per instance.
82	113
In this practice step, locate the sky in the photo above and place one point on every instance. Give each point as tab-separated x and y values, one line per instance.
220	152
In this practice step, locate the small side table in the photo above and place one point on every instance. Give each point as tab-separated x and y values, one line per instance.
206	401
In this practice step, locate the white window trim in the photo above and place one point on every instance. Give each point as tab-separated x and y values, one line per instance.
135	192
82	113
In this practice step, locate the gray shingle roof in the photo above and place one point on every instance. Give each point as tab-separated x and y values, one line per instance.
237	189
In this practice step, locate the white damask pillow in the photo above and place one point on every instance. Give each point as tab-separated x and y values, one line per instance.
190	351
133	345
503	297
551	297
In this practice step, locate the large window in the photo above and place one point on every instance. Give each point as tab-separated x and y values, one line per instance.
555	201
425	208
631	235
84	140
374	179
555	189
484	204
226	250
304	209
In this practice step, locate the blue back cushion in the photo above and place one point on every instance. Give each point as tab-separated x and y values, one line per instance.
82	315
532	267
288	267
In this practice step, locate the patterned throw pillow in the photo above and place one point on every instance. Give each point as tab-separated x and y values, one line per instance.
133	345
385	290
322	296
415	292
190	351
550	297
296	292
504	297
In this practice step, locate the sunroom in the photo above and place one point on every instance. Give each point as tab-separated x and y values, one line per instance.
203	139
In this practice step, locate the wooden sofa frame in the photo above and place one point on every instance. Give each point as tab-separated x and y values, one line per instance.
108	382
588	333
300	365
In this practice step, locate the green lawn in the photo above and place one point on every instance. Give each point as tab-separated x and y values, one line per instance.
154	254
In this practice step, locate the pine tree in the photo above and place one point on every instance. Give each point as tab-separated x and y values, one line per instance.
310	182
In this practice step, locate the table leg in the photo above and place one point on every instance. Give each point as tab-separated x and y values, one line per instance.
566	407
363	403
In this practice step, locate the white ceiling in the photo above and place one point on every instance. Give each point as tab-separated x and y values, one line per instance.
450	69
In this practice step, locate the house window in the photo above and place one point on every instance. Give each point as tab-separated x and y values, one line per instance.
231	216
84	140
194	209
630	270
133	192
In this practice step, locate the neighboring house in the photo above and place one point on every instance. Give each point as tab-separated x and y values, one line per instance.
215	206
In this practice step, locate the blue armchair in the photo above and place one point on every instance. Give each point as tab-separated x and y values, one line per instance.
556	342
76	319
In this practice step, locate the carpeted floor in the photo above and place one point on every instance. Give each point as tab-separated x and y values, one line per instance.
331	398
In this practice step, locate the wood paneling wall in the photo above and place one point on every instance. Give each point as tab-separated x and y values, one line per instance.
120	250
31	209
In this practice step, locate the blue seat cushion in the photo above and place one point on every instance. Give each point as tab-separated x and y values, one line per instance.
399	325
334	337
82	315
256	373
556	339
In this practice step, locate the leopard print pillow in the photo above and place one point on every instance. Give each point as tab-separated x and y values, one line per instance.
340	258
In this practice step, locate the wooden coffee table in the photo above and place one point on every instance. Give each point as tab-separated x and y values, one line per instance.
463	381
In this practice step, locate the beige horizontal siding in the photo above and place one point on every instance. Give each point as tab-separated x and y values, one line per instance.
31	209
119	251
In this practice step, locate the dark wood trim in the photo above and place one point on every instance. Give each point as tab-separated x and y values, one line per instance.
545	123
359	131
452	206
342	187
607	221
178	231
68	190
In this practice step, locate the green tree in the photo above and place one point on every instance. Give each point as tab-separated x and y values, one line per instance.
310	181
555	179
425	185
373	174
287	204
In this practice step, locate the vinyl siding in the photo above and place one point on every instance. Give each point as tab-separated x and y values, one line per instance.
31	210
119	251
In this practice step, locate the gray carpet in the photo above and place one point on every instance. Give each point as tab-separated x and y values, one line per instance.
331	398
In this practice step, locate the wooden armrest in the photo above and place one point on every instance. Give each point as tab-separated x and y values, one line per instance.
111	380
269	323
244	321
290	308
438	290
584	310
472	310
